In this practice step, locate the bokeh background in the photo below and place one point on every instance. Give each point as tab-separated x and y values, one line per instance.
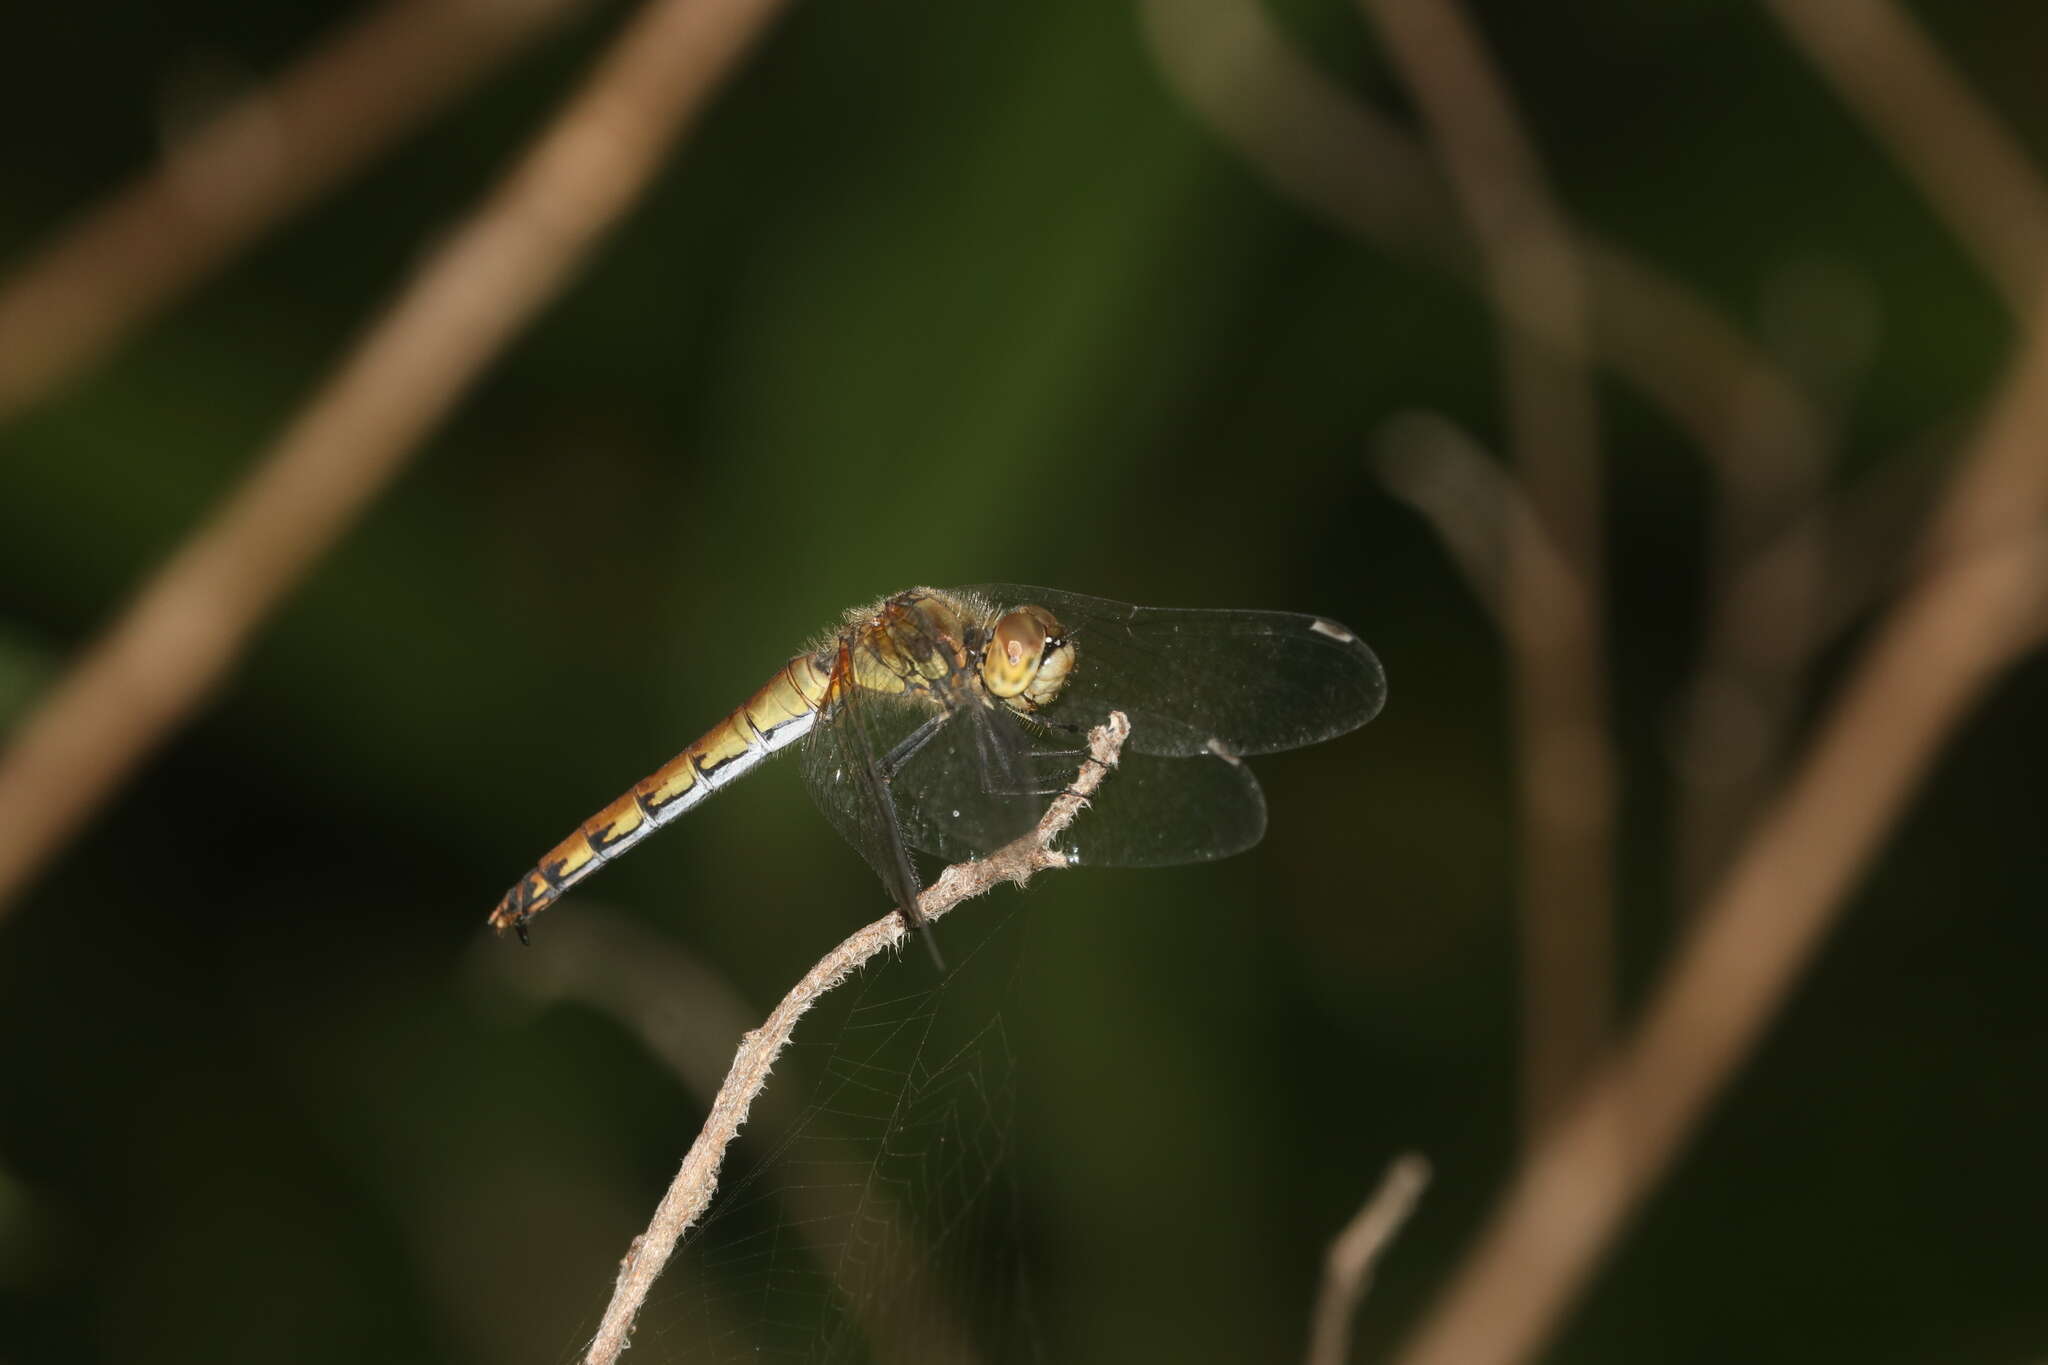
942	294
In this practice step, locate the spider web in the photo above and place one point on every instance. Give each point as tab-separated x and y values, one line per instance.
882	1225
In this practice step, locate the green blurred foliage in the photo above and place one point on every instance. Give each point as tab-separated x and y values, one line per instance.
945	294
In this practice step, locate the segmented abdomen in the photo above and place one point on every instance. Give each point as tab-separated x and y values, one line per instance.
776	716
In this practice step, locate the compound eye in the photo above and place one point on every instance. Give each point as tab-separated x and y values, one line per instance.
1014	649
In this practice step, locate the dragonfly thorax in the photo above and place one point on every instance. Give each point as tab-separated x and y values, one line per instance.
1027	659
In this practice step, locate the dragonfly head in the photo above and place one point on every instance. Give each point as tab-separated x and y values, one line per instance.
1027	659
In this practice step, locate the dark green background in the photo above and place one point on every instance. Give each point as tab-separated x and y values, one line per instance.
939	294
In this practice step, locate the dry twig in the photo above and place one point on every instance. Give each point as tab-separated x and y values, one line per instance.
685	1013
221	186
1566	764
690	1193
1348	1266
183	631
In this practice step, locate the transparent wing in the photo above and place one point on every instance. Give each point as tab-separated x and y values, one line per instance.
894	773
974	787
1158	812
1152	812
1249	682
842	767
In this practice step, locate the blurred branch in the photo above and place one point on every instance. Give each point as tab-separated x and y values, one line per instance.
1979	179
1566	764
1769	551
1875	513
678	1007
1348	1266
690	1193
224	184
1320	145
685	1014
1477	509
1777	610
1772	540
1436	467
1311	138
1974	174
1977	603
183	631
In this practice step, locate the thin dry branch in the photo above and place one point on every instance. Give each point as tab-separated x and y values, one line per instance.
686	1014
1974	173
184	630
1566	762
220	186
697	1180
1354	1252
1978	602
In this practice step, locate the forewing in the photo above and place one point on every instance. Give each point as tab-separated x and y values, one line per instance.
1195	681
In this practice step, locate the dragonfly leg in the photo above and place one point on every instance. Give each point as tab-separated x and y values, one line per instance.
882	773
913	918
892	762
1091	761
1086	755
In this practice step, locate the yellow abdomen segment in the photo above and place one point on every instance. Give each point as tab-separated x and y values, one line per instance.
779	714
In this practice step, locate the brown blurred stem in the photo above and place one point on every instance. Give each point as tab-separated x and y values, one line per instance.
690	1193
1320	145
219	187
1466	496
1973	172
1774	544
1769	547
1772	549
1977	603
1935	652
171	645
1354	1252
1565	765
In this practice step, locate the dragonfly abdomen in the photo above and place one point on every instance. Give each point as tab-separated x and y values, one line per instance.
776	716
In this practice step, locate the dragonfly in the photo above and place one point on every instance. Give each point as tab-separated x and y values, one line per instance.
941	720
